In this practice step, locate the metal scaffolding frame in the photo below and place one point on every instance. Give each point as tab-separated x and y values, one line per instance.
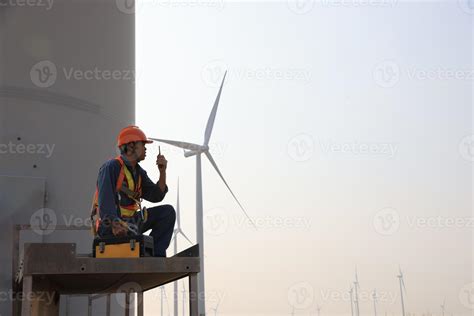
54	269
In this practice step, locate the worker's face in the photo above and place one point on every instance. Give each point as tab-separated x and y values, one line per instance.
140	151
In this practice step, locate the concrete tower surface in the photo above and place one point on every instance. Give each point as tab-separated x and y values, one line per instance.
67	86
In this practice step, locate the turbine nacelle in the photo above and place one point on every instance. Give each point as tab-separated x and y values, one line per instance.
199	150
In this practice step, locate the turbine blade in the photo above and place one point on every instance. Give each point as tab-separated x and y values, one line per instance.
184	145
212	116
208	154
186	237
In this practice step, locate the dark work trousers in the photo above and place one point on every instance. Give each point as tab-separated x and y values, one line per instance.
160	220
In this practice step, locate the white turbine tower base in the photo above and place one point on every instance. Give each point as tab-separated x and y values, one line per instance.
197	150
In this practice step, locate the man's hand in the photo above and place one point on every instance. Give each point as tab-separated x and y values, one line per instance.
161	162
119	228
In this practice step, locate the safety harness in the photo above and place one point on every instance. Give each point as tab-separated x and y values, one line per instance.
126	185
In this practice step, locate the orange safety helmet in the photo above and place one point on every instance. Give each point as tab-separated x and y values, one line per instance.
132	134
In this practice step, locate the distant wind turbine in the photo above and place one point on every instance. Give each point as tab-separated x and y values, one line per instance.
356	288
402	289
176	232
374	296
318	309
443	307
163	296
197	150
351	292
183	292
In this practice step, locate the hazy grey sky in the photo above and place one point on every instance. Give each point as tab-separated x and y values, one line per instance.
342	129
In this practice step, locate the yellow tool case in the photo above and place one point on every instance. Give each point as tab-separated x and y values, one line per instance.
123	247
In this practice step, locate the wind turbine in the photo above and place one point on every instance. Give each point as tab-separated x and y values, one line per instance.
351	292
197	150
402	289
374	296
183	292
163	295
443	307
176	232
318	309
356	288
